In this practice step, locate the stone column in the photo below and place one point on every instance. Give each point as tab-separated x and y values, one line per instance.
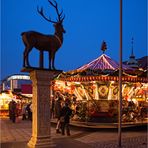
41	108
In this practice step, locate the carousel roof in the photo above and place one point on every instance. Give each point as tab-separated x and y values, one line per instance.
103	62
103	68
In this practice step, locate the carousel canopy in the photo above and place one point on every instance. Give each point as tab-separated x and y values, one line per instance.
103	62
103	68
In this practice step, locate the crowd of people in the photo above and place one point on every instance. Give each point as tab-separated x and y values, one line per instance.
17	109
60	109
62	112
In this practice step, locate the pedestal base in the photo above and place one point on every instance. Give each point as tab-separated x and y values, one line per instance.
41	128
41	142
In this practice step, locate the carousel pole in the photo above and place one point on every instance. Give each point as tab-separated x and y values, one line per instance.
120	81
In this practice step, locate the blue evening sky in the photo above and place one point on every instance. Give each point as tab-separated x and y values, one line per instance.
87	24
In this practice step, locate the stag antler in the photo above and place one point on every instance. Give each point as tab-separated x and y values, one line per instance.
60	17
42	14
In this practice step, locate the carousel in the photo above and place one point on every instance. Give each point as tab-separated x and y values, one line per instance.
93	91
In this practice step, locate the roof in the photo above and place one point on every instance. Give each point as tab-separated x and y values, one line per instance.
102	68
103	62
16	77
142	62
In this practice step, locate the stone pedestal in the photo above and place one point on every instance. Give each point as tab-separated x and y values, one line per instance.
41	108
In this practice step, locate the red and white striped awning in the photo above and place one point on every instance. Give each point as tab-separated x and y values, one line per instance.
103	62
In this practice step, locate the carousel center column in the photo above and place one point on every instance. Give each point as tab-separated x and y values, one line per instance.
41	127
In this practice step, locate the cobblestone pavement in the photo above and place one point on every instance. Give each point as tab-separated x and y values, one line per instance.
136	142
16	135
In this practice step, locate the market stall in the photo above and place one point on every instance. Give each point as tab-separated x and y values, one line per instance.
93	90
6	97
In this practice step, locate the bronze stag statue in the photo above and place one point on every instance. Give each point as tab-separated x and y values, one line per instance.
49	43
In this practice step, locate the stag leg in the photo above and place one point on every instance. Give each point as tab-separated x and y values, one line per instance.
28	65
52	60
49	55
25	60
41	59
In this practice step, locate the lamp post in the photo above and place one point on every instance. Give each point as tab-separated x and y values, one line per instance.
120	81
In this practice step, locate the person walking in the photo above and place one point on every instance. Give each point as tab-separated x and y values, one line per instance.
58	107
13	113
18	111
52	108
66	112
29	112
10	110
24	112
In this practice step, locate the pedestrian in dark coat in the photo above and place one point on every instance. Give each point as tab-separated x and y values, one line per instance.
10	110
13	111
66	112
58	108
29	111
52	114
